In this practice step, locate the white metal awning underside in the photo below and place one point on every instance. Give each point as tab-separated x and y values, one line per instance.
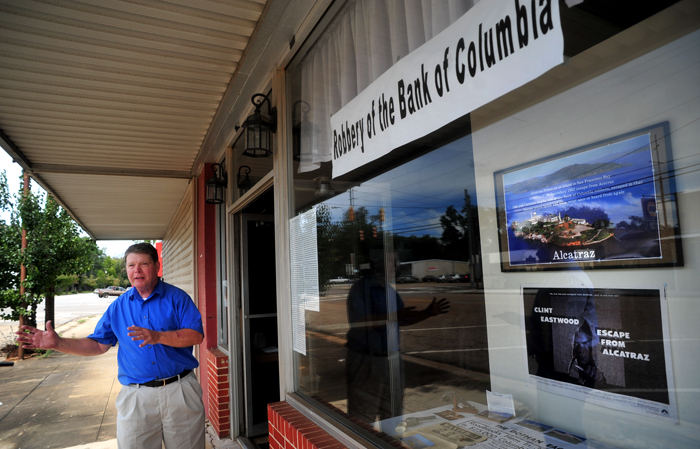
113	105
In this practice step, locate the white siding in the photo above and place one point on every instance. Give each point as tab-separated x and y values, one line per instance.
179	245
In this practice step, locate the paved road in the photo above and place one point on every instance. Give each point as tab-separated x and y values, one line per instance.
67	308
446	354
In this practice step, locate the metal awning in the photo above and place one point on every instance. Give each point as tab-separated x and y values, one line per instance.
113	105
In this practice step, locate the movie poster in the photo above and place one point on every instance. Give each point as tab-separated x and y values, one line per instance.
608	346
602	205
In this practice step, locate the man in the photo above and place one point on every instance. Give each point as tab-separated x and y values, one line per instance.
374	369
583	358
156	325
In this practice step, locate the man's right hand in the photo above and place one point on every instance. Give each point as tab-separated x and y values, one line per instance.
34	338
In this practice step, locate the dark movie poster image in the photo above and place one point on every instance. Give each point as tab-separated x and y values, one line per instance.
594	205
603	339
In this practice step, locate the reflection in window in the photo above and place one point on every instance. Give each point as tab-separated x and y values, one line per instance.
401	327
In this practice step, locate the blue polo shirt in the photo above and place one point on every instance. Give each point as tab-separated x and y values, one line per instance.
167	309
367	297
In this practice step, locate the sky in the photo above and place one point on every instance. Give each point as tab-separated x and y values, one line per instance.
13	171
620	195
416	194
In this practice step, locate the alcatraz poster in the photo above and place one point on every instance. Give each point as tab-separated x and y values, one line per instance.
608	346
589	206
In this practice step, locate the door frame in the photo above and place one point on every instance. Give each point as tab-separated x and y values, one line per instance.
236	371
251	429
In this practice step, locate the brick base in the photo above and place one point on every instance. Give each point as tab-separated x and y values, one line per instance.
288	429
218	392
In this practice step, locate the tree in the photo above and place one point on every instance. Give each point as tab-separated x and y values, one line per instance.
460	233
413	247
601	224
325	230
10	242
55	249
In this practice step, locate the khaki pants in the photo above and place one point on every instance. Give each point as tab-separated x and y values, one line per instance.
172	415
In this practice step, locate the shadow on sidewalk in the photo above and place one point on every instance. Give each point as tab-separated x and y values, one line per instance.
58	401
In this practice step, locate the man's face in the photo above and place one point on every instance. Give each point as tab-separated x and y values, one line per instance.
583	351
142	271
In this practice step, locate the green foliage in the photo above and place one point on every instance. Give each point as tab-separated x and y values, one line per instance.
636	222
460	233
326	231
43	353
55	246
55	251
588	234
5	203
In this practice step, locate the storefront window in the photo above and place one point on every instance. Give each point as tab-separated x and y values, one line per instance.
524	276
401	324
398	248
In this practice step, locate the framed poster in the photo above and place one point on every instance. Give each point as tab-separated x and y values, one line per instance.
609	204
607	346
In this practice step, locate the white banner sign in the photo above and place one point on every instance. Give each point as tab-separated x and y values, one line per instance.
497	46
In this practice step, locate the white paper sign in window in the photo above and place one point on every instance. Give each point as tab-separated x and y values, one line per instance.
304	273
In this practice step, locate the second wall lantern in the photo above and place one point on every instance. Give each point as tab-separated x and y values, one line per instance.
244	182
259	129
216	185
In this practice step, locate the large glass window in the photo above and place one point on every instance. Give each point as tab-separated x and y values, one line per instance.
401	326
528	273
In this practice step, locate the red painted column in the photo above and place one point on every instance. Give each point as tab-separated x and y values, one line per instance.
206	276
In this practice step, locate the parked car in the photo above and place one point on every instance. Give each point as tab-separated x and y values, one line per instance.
429	278
109	291
339	280
406	279
457	277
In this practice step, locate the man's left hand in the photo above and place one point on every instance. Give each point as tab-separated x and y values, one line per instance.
438	307
149	337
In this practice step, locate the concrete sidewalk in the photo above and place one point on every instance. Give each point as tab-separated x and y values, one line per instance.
65	401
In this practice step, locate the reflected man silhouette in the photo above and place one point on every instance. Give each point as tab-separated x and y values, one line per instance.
374	368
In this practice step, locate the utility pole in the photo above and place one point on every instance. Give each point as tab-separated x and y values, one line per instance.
353	255
23	269
470	237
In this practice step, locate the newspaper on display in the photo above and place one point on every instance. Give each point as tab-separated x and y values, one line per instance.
483	430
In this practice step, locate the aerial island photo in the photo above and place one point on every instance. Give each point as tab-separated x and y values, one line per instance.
592	205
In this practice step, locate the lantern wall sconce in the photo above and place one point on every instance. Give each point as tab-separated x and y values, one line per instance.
243	184
296	127
258	129
323	188
216	185
302	140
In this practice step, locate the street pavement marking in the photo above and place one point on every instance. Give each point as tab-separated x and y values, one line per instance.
446	328
447	350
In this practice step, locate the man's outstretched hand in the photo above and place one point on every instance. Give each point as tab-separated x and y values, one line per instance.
409	315
34	338
438	307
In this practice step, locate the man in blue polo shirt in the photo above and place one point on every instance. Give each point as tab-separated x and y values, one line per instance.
156	325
